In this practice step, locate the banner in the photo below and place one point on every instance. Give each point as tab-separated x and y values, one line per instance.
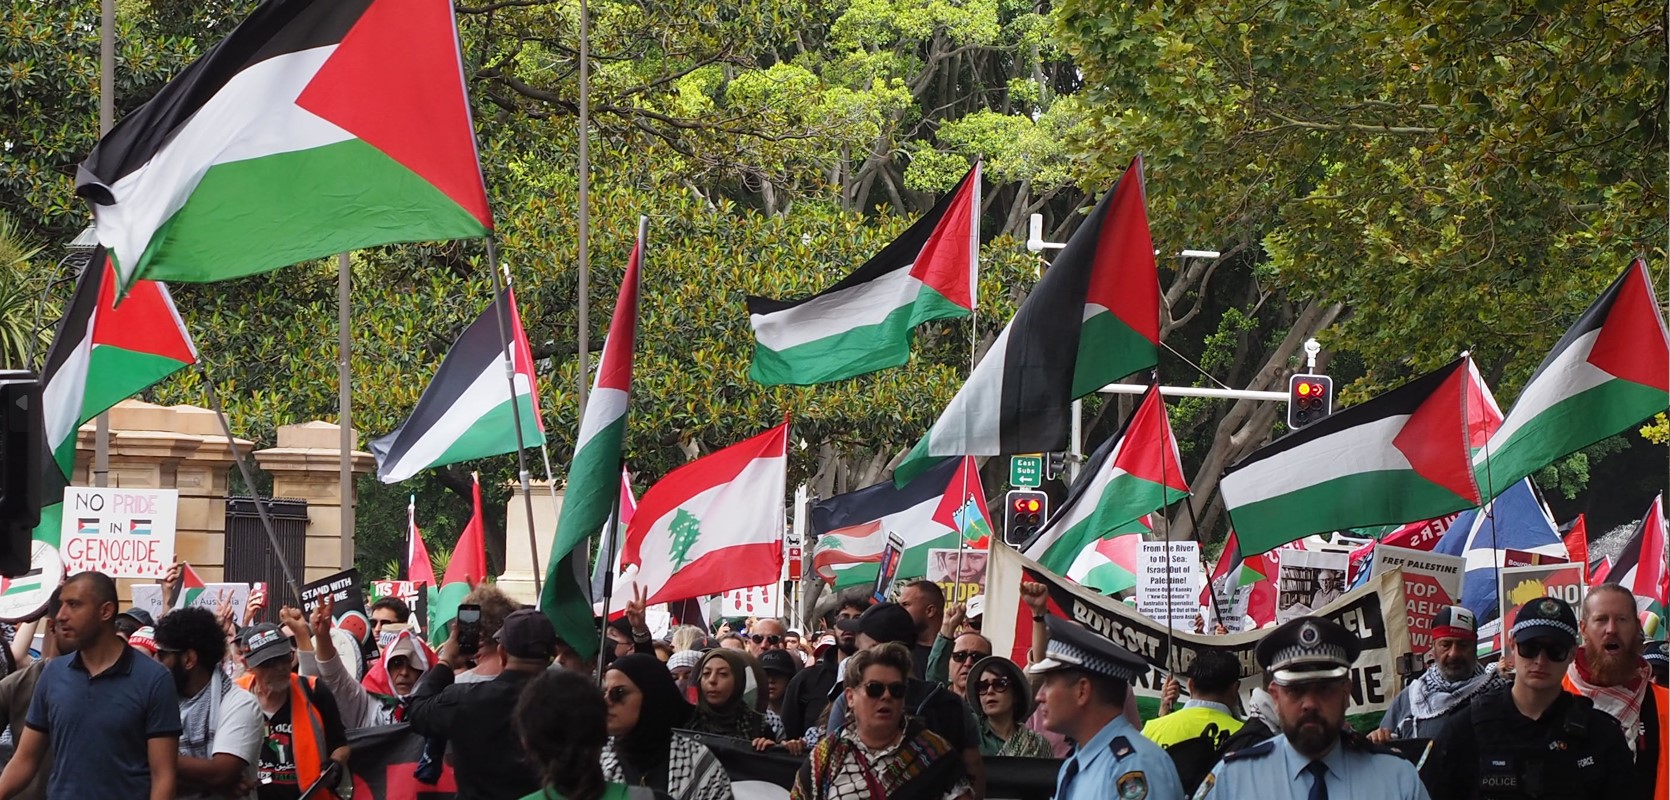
1308	580
1521	585
123	533
754	601
382	760
1373	612
149	597
1430	582
961	574
413	593
1169	583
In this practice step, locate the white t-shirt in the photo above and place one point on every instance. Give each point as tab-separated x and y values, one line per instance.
238	732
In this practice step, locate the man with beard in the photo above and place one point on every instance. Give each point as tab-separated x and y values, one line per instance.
1535	739
302	732
1610	671
808	692
221	728
1315	758
1454	678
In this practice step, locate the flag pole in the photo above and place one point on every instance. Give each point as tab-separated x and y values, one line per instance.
1194	523
973	356
544	452
344	404
508	352
582	322
249	480
411	529
608	548
107	119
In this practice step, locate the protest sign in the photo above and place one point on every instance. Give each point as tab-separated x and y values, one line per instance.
1374	613
24	597
888	568
123	533
1169	584
1520	585
413	593
960	573
1430	582
149	597
753	601
1308	580
347	601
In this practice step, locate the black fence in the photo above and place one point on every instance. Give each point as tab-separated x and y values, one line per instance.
249	554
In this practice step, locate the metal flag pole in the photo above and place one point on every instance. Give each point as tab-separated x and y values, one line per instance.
107	119
611	533
249	481
973	360
508	352
345	404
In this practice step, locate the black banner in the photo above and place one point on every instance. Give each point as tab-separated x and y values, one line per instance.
383	761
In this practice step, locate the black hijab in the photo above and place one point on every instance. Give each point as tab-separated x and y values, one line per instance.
663	709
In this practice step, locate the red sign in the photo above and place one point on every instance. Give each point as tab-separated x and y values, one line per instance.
794	562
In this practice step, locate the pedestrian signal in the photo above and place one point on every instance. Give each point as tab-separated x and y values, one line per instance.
1024	513
1309	398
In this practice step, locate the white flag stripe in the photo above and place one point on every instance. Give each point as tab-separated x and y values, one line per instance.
1569	374
746	510
837	313
976	407
1318	462
486	392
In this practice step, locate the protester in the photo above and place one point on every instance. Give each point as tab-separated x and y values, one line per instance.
686	636
926	603
385	612
723	704
132	620
1002	702
1316	757
105	699
974	614
1084	685
767	635
1610	671
1193	735
302	731
487	759
221	728
644	708
1453	680
780	667
377	699
1262	722
808	692
732	641
1535	739
1657	656
560	722
682	666
496	607
968	648
882	752
18	688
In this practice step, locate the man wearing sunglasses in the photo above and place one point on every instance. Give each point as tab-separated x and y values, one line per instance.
1534	739
767	635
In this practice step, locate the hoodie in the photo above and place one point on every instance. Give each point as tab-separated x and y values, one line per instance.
372	702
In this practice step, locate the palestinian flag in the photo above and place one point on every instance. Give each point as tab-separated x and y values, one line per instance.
316	127
607	572
851	529
419	568
1109	565
714	524
865	322
595	474
101	355
468	411
1129	476
1640	567
191	586
964	507
1400	457
1610	371
1092	318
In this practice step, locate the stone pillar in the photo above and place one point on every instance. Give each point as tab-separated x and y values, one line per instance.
304	466
517	580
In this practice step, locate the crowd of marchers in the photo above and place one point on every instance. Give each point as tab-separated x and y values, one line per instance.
900	700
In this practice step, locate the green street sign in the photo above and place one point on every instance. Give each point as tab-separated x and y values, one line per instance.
1026	470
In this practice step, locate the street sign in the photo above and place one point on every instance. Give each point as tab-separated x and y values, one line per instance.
1027	470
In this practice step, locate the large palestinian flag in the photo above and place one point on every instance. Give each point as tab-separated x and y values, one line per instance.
1128	477
468	411
1110	564
316	127
595	473
1610	371
852	528
864	322
1640	566
1092	318
1400	457
101	355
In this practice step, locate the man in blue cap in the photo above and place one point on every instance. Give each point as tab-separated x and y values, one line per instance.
1085	682
1315	758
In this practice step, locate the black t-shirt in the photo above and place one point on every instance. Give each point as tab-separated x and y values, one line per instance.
276	777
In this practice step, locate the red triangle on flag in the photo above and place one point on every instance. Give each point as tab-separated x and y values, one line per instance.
468	563
1148	450
944	262
1631	344
523	357
963	490
145	322
1431	440
1125	279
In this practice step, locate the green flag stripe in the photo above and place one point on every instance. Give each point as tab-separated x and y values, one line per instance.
854	351
494	434
1567	426
1109	350
1268	523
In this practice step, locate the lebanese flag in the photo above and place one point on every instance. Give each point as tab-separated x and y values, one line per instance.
316	127
100	355
1399	457
714	524
1129	476
866	321
1610	371
419	569
1639	567
1092	318
468	564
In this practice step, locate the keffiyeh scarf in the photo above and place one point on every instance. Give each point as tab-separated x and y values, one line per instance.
1621	702
1435	695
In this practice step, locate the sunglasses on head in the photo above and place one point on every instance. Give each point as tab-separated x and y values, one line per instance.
875	689
772	639
992	685
967	655
616	695
1536	647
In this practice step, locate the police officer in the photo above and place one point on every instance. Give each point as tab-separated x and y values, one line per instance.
1657	656
1534	739
1315	757
1085	681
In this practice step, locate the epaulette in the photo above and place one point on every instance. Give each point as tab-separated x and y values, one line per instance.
1120	747
1263	748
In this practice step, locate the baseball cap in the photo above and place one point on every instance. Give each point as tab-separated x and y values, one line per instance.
140	616
1454	622
781	662
266	642
824	643
883	622
976	607
144	639
684	659
527	633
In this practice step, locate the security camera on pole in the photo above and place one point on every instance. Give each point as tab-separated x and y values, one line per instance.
1310	397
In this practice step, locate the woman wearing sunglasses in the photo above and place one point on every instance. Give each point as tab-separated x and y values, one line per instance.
644	708
731	699
881	752
1002	702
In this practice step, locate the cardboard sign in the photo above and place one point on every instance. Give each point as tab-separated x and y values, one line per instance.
413	593
1430	582
347	601
123	533
149	597
25	596
961	574
1520	585
1169	583
1309	580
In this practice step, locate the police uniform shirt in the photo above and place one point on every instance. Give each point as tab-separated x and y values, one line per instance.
1273	770
1492	751
1118	763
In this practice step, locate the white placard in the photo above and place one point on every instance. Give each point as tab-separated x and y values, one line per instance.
25	596
1170	588
123	533
149	597
1309	580
755	601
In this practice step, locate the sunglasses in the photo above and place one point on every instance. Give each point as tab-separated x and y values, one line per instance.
875	689
998	685
962	656
616	695
1536	647
772	639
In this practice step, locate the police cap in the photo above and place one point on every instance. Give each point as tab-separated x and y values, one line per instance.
1545	618
1308	649
1073	646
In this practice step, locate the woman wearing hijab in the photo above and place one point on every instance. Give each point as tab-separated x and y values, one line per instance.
1002	701
644	708
731	698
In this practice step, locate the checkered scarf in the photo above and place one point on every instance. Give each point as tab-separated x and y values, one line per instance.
1622	702
1435	695
841	767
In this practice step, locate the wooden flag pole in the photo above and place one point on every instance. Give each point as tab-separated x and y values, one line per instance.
509	353
249	481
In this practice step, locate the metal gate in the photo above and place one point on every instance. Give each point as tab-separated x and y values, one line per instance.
249	554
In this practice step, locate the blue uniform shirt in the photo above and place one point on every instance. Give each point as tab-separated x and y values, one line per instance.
1273	770
1118	763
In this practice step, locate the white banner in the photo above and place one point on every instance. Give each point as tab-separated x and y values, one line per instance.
1169	582
123	533
149	597
1309	580
754	601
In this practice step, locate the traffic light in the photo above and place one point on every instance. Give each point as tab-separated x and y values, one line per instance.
1309	398
1055	466
23	464
1024	513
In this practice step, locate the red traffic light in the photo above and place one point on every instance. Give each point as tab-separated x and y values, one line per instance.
1027	505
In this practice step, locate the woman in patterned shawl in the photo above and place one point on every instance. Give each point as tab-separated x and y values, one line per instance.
1002	701
880	753
644	708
